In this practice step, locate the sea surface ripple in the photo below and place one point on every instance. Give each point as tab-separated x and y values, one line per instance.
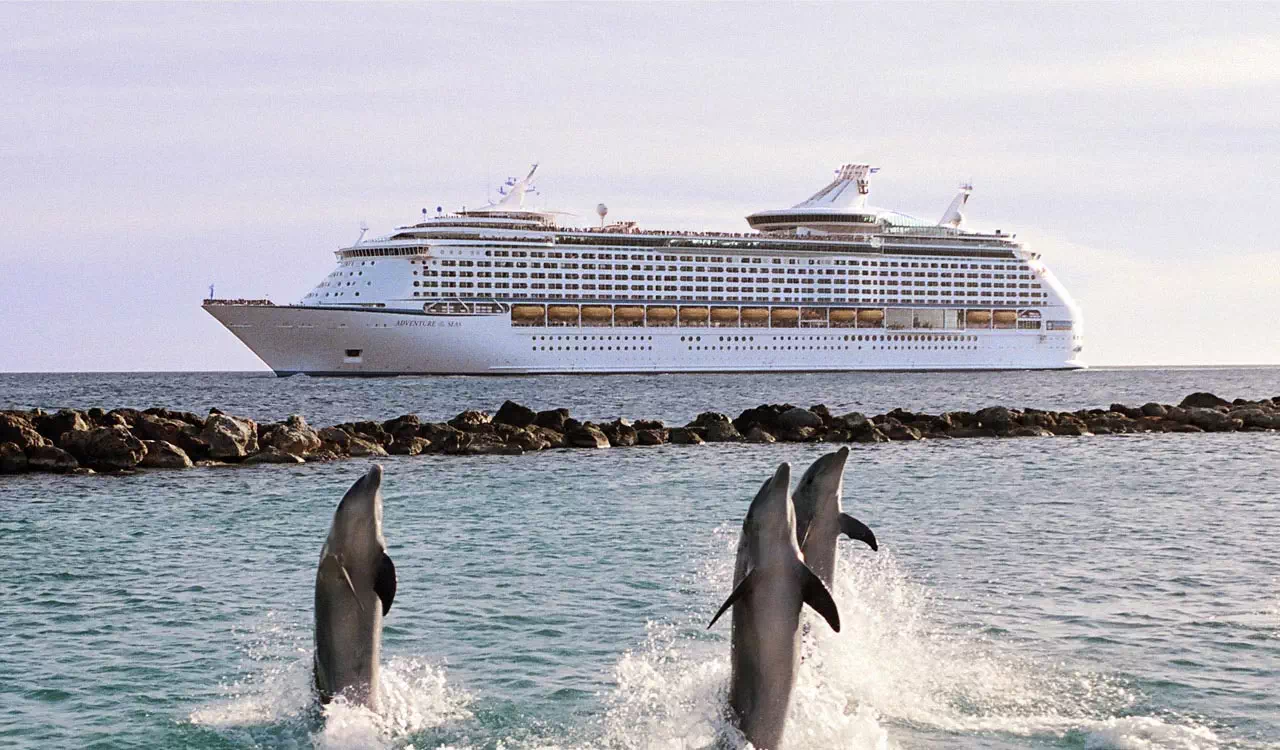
1109	592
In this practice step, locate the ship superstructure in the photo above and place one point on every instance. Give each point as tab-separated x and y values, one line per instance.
829	284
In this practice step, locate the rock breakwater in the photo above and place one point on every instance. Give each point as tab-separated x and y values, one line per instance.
95	440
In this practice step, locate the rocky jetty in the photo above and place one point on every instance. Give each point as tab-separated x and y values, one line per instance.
121	440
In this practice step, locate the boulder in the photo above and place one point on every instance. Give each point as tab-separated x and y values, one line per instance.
796	434
552	418
368	430
553	438
360	448
1128	411
715	427
649	424
1152	409
469	420
181	416
104	448
586	436
157	427
294	436
620	432
1072	427
51	459
230	438
335	440
436	432
402	427
1201	400
823	413
1212	420
273	456
15	429
164	455
758	434
870	435
516	415
1256	418
65	420
651	436
685	436
12	459
972	432
1029	431
796	418
997	418
126	417
411	445
898	431
478	444
854	420
527	441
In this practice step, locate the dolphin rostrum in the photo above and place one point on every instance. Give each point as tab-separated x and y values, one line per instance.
819	518
355	584
771	583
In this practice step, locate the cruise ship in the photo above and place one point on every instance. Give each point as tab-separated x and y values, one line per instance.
829	284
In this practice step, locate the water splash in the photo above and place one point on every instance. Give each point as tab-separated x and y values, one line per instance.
898	672
275	697
414	696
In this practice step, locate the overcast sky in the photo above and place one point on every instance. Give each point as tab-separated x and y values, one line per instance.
147	150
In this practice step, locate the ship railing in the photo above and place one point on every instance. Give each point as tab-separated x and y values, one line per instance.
238	302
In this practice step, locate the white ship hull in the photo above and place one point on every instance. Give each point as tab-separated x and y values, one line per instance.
327	341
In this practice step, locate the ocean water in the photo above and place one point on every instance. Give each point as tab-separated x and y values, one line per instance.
671	397
1108	592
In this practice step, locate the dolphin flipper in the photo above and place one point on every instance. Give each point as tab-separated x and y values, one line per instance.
816	596
384	585
742	590
855	529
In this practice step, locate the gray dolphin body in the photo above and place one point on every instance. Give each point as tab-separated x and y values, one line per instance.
771	583
355	584
819	518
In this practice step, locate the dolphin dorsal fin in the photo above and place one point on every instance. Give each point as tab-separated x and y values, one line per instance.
384	582
855	529
816	595
742	590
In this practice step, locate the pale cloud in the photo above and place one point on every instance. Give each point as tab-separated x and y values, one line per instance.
155	148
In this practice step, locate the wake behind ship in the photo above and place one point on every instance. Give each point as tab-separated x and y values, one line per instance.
831	284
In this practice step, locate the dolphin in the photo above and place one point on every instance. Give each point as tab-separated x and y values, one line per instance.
355	584
819	518
771	583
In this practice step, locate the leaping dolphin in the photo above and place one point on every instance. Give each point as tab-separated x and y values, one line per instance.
355	584
819	518
771	583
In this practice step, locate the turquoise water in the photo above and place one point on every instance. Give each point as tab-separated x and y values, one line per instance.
1117	592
